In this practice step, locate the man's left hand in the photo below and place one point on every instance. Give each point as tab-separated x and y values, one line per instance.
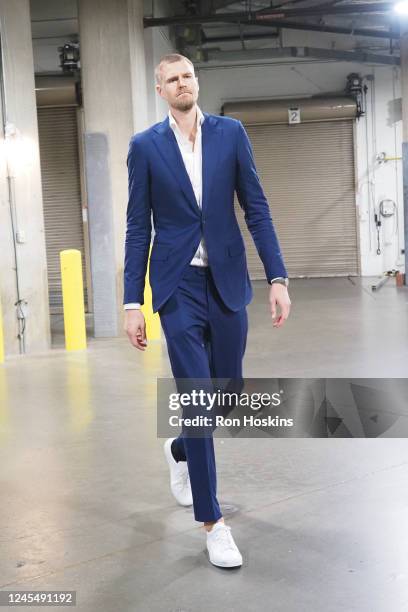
279	296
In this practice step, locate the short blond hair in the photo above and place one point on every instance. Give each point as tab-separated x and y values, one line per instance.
171	58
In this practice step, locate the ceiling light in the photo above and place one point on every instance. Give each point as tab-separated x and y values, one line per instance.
401	7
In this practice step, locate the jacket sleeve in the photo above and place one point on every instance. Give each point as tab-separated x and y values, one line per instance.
139	227
256	208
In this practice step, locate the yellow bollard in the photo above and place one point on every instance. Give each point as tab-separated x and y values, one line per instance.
1	336
153	327
73	300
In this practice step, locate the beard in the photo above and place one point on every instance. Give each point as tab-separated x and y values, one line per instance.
184	103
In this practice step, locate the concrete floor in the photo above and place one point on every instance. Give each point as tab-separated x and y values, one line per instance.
322	524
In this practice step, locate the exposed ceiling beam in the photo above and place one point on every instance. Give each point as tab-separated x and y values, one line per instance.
301	52
325	8
315	27
237	37
220	4
286	2
391	33
208	7
265	18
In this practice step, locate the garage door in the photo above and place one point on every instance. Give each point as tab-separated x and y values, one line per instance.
307	172
60	173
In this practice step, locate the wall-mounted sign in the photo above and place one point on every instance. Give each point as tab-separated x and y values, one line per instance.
294	115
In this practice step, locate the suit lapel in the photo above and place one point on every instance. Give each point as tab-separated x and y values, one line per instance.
166	143
168	148
211	135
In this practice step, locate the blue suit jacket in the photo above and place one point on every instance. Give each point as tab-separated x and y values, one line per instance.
159	186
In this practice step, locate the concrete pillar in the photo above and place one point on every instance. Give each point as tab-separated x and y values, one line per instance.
150	81
115	107
404	95
24	187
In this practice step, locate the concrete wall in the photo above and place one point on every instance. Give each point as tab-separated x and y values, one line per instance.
157	44
382	129
20	109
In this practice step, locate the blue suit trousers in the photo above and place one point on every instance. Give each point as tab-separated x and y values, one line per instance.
205	340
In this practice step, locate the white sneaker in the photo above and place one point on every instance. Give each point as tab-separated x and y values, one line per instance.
179	479
221	547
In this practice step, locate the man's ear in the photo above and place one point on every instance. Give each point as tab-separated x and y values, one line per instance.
159	90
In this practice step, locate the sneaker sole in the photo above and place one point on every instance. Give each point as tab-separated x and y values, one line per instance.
225	565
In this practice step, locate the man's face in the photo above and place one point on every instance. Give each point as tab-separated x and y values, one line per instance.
179	85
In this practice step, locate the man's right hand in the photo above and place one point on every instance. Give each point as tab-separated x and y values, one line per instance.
135	327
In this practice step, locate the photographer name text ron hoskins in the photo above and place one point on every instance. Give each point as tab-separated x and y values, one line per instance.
221	421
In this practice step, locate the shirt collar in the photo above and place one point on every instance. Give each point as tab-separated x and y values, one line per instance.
173	122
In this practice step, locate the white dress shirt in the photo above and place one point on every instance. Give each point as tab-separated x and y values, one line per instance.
192	158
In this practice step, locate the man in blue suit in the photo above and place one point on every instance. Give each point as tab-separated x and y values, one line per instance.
183	173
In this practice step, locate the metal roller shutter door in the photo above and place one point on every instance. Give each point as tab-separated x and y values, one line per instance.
307	173
60	172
